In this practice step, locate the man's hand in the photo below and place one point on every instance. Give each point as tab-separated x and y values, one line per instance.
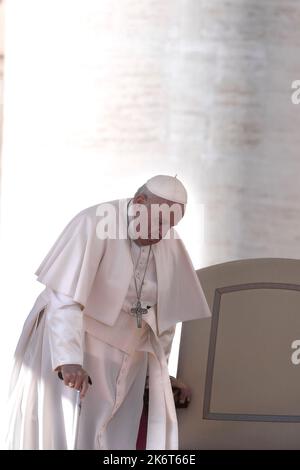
75	376
181	392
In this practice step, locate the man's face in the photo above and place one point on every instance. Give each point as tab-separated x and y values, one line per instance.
161	215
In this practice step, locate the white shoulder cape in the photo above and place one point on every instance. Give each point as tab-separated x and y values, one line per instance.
96	273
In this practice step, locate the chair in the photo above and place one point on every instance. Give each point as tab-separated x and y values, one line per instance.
242	363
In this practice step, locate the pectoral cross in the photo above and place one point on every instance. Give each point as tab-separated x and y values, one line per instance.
139	311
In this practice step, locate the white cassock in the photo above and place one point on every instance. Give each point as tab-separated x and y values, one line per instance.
83	317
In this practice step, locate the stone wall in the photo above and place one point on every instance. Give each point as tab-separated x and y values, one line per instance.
125	89
241	130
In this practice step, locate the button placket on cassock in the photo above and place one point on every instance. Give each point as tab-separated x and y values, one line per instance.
162	412
120	385
150	291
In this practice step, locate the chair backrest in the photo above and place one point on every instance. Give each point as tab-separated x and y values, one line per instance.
242	364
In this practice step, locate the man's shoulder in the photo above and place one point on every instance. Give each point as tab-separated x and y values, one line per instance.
173	238
95	209
89	217
171	243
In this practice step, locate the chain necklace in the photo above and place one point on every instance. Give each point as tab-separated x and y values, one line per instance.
138	310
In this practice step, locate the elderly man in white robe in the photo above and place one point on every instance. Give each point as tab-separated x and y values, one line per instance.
107	316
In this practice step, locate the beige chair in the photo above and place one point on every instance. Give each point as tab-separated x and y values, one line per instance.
246	389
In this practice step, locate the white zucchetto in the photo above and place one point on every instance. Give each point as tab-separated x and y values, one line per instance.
167	187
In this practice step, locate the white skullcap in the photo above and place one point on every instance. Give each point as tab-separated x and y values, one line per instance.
167	187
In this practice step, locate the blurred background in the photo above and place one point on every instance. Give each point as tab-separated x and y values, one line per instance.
96	97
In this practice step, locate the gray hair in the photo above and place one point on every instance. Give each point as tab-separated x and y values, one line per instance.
143	190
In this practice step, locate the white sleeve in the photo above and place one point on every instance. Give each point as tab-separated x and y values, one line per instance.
166	340
65	326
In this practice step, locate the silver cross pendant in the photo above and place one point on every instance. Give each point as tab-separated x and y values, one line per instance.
139	311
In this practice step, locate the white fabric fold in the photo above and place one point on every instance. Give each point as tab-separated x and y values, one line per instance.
65	323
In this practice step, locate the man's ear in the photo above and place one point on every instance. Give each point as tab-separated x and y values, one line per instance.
140	199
